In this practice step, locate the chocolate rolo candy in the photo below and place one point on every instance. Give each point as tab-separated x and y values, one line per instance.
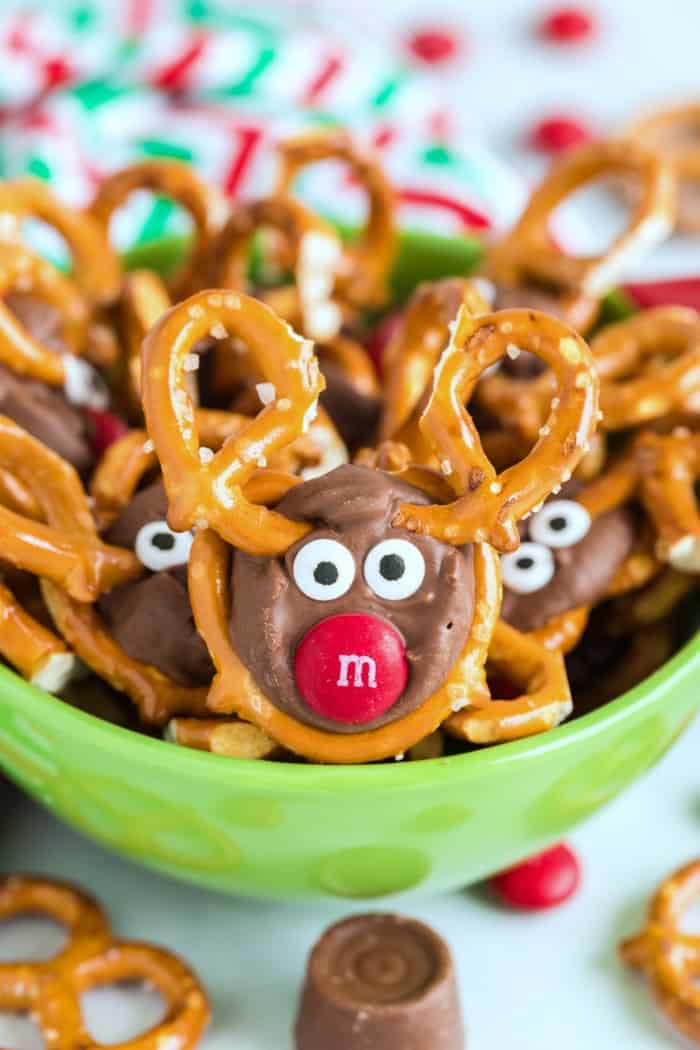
380	982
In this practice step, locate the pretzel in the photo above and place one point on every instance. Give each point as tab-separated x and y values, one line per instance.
649	365
38	655
144	299
210	493
23	272
17	496
128	460
545	703
651	604
367	261
489	506
669	957
410	358
95	267
526	255
670	466
675	134
51	991
234	690
314	251
222	736
179	182
64	545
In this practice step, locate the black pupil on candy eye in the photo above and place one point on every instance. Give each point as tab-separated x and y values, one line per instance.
326	573
392	566
557	524
525	563
164	541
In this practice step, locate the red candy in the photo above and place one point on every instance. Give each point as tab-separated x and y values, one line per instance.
558	133
567	25
381	337
543	881
433	45
106	429
351	667
679	291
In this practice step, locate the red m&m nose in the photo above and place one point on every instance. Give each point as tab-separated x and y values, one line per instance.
351	668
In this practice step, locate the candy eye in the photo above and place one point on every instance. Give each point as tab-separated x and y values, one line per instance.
394	569
324	570
528	569
84	385
159	547
560	523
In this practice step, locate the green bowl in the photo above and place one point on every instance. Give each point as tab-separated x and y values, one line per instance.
288	831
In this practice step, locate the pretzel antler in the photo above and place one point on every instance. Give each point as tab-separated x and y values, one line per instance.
23	272
206	489
412	354
67	548
527	253
669	466
144	299
675	134
179	182
314	251
369	259
96	269
489	506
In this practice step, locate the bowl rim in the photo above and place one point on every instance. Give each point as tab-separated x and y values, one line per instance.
266	775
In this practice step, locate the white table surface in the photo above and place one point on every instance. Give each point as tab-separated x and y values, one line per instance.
538	982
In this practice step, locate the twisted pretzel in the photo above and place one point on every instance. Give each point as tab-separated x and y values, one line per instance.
64	545
51	991
95	267
670	466
235	691
367	261
410	358
209	492
180	183
314	251
649	365
144	299
545	703
526	256
675	134
22	271
669	957
489	506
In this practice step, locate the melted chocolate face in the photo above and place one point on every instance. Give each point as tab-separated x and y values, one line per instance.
42	410
582	571
151	617
270	615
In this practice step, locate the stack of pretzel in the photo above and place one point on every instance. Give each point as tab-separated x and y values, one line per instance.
193	463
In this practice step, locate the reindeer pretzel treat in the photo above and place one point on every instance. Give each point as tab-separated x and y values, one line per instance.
527	270
50	992
306	551
675	134
367	261
178	182
669	957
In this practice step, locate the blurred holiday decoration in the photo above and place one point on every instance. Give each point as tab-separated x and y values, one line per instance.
90	86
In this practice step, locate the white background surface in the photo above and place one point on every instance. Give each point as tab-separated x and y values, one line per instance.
541	982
